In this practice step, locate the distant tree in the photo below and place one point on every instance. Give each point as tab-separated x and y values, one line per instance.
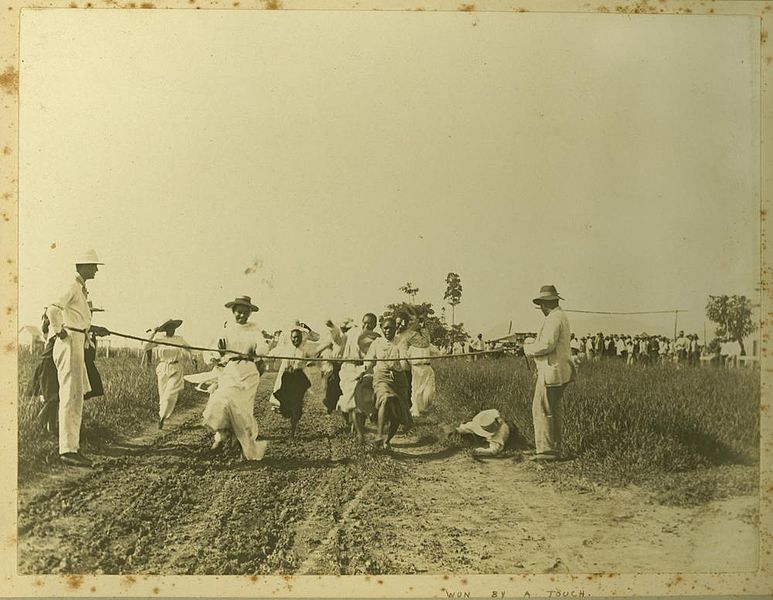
457	333
410	290
733	316
421	315
453	293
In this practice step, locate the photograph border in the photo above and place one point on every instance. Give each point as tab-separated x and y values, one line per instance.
416	586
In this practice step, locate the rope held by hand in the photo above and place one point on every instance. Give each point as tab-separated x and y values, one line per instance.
307	359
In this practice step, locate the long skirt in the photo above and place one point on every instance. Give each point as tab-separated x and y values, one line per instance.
290	394
45	385
95	380
422	388
170	384
391	388
364	398
349	376
231	406
332	387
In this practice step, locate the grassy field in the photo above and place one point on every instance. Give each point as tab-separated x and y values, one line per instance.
130	403
688	434
678	431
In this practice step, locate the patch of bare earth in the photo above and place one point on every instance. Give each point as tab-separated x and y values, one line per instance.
164	503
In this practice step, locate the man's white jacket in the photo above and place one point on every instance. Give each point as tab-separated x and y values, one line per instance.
551	350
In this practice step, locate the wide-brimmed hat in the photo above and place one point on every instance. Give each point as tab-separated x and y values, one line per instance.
242	301
547	292
174	323
486	423
89	257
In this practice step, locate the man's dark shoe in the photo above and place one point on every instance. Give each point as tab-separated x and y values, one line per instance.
74	459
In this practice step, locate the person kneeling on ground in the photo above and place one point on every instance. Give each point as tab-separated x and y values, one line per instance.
487	424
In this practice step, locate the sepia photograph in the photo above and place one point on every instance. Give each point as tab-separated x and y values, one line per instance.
387	293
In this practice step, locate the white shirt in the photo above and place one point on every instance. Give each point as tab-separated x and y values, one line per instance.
71	309
383	348
551	349
243	339
168	353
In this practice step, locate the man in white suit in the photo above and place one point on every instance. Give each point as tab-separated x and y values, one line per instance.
70	321
553	356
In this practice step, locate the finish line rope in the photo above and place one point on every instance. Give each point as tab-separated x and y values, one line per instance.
307	359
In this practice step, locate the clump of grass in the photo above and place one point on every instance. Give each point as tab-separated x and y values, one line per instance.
129	403
624	423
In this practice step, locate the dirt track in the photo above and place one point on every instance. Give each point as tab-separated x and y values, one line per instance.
163	503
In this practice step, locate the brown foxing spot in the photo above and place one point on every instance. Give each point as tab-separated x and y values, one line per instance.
9	80
155	590
6	218
602	9
147	5
467	7
53	246
7	150
769	59
93	589
273	4
763	36
236	4
641	7
253	578
445	577
10	347
130	579
74	581
73	5
9	310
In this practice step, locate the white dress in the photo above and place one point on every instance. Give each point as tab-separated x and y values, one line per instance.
169	373
422	380
231	405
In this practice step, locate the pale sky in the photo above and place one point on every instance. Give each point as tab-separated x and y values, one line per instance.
614	156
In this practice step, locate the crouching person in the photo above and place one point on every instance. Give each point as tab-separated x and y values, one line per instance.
489	426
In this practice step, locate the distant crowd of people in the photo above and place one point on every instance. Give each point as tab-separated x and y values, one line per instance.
684	349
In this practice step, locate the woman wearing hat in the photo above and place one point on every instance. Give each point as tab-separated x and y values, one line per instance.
169	372
230	407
